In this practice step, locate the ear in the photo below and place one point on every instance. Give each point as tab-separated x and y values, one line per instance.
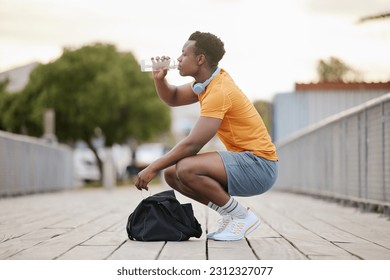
201	59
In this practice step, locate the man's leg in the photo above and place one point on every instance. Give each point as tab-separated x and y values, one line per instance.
206	176
172	180
201	177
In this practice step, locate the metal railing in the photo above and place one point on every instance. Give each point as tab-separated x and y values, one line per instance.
28	165
346	156
295	111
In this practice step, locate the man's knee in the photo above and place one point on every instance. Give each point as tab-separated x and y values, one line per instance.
184	170
170	175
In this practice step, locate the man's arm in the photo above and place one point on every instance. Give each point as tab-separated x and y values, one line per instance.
173	95
203	131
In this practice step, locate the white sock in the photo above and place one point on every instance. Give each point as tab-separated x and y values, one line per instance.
233	208
217	208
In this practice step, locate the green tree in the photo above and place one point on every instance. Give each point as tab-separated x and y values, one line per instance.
335	70
3	102
9	111
380	16
93	88
16	111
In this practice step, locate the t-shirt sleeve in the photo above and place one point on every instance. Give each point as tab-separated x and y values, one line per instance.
215	104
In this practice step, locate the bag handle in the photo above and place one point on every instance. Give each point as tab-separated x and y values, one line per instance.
187	231
142	194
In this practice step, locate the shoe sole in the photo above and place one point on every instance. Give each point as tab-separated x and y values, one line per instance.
252	228
248	231
210	236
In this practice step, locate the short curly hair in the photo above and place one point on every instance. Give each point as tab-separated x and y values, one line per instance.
209	45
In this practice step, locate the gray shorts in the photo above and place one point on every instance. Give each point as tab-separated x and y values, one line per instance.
248	174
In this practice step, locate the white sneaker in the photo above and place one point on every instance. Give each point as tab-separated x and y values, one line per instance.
222	224
238	228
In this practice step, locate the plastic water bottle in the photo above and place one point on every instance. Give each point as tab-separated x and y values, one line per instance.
152	64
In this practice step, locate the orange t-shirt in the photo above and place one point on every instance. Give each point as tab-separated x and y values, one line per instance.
242	128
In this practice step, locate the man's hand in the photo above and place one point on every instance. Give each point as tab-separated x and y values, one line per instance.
144	177
160	67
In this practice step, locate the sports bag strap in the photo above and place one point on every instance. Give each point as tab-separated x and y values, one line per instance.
186	230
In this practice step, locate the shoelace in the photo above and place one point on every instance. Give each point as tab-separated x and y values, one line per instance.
223	223
237	227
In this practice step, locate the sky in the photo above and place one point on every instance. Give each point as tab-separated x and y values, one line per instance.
270	45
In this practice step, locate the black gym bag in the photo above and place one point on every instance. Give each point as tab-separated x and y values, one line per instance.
161	217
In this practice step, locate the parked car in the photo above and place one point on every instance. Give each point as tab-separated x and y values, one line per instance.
121	155
85	165
144	155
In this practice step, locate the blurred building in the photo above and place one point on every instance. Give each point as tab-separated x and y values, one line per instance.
17	77
311	103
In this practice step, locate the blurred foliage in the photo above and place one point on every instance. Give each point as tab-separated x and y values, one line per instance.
376	17
335	70
15	111
92	89
265	110
4	102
